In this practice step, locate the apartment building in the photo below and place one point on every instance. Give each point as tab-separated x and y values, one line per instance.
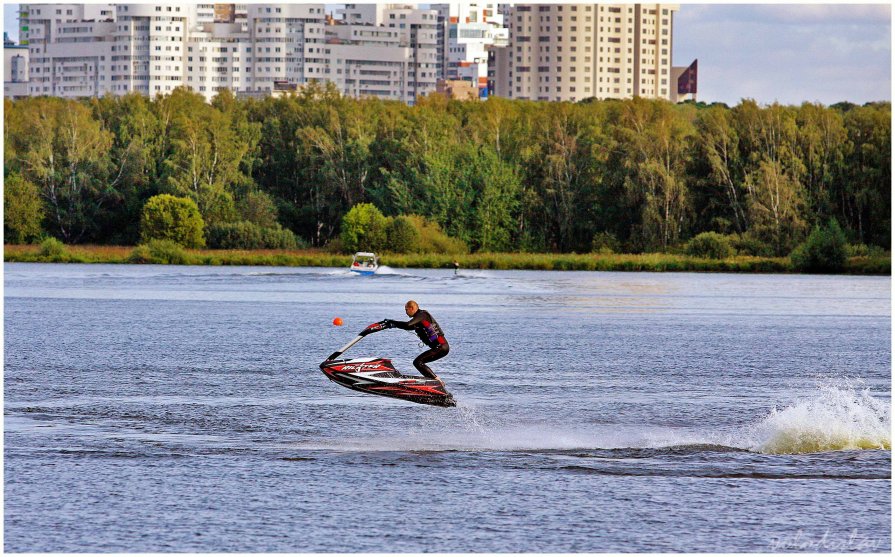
15	69
89	50
70	48
82	50
469	30
551	52
148	47
386	51
572	52
285	44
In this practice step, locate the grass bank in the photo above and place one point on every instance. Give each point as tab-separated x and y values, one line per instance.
653	262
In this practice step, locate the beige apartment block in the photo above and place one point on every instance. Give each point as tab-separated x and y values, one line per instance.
571	52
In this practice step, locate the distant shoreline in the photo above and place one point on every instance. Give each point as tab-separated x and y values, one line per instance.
649	262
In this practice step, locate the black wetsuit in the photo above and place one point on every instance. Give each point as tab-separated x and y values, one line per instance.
431	334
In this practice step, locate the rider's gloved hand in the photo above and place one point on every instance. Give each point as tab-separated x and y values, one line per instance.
387	324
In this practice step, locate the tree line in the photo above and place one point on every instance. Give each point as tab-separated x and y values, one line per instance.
627	175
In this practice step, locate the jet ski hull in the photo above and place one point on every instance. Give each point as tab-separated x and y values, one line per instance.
377	376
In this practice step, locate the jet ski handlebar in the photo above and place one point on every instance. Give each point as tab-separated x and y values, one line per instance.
373	328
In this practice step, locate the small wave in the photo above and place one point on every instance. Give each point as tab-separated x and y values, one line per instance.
841	417
273	274
106	454
653	471
400	274
385	270
652	452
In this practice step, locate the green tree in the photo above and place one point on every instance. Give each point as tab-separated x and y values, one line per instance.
166	217
57	145
497	203
416	156
776	202
432	239
257	207
448	192
560	168
561	174
652	138
717	149
364	228
864	186
402	235
710	245
339	146
394	162
821	143
333	143
823	252
304	203
22	210
137	146
208	151
247	235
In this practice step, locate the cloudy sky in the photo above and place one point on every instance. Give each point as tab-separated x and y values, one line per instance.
788	53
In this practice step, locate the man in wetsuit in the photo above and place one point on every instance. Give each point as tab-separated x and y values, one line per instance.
425	327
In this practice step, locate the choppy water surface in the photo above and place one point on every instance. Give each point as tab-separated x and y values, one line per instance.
181	409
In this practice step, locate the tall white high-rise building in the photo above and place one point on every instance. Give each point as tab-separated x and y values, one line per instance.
571	52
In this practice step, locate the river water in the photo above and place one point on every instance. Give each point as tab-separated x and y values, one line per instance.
156	409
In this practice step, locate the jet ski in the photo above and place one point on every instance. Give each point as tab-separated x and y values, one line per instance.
377	376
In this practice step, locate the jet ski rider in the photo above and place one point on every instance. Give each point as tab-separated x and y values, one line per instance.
425	327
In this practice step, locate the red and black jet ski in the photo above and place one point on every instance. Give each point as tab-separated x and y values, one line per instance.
377	376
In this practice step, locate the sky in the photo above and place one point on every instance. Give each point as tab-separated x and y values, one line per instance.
786	53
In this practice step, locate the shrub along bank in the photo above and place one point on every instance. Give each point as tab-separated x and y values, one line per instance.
165	252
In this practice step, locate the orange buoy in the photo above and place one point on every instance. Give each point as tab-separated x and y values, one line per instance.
337	321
